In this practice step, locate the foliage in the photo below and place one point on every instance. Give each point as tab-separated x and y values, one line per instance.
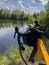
18	17
41	17
13	15
5	14
4	60
30	20
47	7
13	57
35	15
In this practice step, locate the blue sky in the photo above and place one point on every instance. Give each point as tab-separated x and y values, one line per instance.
28	6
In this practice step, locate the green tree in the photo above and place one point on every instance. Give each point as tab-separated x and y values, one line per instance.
5	14
35	15
47	7
15	14
41	17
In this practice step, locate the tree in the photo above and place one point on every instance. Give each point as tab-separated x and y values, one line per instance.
22	15
47	7
5	14
41	17
15	14
35	15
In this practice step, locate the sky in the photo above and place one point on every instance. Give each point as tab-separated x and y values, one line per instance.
28	6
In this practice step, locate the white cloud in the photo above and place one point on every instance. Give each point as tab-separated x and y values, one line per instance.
28	10
7	7
31	10
12	5
20	3
5	0
29	5
1	3
33	1
44	2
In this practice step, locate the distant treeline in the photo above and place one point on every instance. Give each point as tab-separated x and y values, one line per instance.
14	15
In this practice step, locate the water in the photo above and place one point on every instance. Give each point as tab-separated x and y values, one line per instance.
6	39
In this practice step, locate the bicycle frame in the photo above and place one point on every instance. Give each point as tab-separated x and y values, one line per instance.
42	52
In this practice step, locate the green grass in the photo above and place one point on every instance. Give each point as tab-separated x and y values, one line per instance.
13	57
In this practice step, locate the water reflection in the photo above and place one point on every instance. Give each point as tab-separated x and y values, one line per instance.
8	23
6	39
